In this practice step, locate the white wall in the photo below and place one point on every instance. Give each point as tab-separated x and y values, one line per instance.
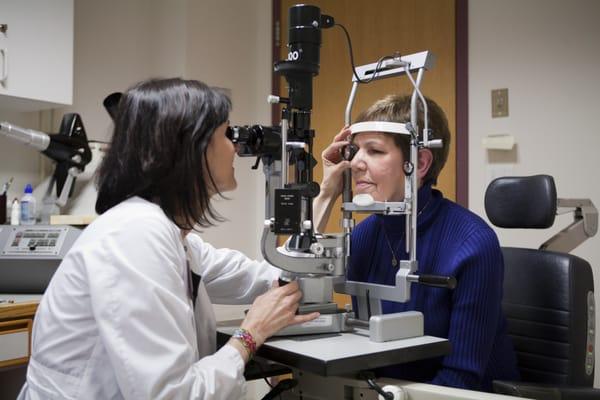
228	45
547	53
118	43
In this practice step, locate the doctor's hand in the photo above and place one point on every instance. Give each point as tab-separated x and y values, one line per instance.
273	311
334	165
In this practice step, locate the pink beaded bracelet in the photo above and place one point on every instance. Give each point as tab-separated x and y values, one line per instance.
246	338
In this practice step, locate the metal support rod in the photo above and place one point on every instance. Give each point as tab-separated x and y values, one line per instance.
272	172
347	184
357	322
348	113
284	154
584	225
411	233
347	222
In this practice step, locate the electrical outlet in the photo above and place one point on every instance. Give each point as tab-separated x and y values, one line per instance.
499	103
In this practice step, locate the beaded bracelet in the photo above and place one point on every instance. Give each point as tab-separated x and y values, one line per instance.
246	338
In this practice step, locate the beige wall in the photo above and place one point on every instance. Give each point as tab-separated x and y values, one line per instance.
546	52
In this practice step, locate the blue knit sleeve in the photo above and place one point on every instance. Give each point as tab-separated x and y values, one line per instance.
476	309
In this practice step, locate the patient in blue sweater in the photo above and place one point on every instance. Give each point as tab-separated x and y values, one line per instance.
451	241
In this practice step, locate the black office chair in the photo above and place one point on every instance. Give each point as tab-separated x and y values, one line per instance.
548	294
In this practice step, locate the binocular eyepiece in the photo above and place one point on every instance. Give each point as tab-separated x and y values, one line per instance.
255	140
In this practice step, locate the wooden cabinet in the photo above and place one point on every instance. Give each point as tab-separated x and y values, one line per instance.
15	342
16	321
36	54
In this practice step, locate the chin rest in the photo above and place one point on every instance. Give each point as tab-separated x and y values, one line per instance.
548	295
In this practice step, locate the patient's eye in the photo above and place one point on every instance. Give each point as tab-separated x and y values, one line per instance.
375	151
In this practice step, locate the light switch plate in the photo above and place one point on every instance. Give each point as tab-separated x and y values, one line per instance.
499	103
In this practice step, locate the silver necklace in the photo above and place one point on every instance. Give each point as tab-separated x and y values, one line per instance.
387	239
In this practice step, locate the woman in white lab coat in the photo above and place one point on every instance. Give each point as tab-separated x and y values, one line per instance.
118	319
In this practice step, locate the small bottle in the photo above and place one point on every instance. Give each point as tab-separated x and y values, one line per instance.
15	212
28	206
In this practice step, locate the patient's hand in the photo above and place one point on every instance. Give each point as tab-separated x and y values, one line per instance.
334	165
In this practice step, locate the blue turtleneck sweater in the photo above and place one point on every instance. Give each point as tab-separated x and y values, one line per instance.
451	241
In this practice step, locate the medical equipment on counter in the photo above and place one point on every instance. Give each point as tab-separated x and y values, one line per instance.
30	254
6	186
15	212
69	149
28	206
82	201
318	261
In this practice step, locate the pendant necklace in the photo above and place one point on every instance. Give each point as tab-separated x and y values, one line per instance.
389	243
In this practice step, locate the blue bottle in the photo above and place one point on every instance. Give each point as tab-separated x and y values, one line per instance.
28	206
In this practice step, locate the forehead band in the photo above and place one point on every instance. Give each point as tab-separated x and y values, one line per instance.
379	126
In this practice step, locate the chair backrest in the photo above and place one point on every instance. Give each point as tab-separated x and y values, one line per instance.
548	296
548	302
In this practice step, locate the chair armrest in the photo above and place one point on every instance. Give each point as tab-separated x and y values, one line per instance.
540	391
580	393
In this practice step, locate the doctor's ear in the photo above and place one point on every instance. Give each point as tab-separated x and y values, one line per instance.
424	163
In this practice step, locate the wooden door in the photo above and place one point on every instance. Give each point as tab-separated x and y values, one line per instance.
378	28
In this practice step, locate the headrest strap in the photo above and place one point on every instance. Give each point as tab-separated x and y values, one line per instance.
379	126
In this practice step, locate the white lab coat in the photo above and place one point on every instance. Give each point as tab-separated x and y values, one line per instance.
116	321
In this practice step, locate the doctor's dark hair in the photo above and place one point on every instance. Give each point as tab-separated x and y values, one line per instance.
162	129
396	108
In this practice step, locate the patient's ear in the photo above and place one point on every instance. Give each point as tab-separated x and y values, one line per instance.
424	163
